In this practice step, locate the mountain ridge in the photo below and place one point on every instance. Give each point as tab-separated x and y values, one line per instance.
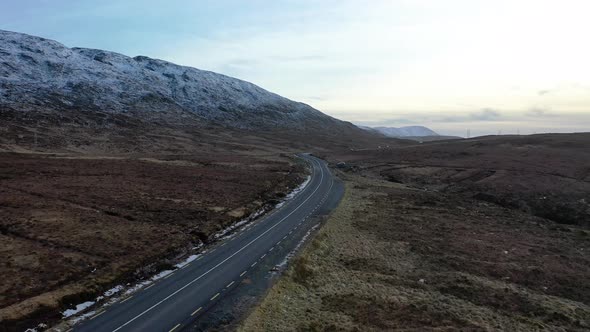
38	72
53	97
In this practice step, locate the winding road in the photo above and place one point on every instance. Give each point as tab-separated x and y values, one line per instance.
176	301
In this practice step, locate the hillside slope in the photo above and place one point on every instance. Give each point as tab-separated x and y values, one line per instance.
44	84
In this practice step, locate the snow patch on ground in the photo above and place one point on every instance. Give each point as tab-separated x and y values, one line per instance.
83	317
298	189
141	285
79	308
224	234
229	232
40	327
187	261
162	274
294	192
113	291
34	68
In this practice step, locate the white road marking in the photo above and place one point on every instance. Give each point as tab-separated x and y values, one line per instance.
174	328
195	312
229	285
242	274
214	297
127	299
228	258
98	314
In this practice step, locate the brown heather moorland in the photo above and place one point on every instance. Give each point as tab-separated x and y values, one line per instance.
73	225
487	234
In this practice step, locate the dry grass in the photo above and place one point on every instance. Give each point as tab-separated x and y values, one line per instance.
395	258
72	225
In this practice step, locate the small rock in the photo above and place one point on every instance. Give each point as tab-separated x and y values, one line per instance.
421	281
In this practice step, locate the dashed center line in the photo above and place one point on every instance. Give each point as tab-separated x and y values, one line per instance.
174	328
229	285
227	258
261	257
195	312
242	274
253	264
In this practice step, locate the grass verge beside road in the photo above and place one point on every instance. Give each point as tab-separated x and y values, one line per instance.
395	258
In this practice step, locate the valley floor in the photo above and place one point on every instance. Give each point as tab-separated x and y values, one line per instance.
395	257
480	235
72	225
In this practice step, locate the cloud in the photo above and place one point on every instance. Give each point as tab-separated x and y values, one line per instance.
544	92
539	112
486	114
481	116
300	58
316	98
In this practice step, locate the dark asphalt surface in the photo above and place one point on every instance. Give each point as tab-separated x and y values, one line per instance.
175	302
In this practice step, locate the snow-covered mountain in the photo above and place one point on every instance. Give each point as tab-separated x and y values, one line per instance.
409	131
42	75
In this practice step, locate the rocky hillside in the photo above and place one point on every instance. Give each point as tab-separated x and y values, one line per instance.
101	89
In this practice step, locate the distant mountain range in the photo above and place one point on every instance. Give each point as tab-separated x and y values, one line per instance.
409	131
415	133
46	84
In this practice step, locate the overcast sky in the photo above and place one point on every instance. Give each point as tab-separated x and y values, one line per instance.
453	65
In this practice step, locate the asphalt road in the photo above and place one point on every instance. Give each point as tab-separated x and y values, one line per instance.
176	301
